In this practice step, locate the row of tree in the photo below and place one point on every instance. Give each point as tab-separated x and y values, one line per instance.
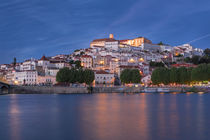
199	59
76	64
181	75
156	64
66	75
130	76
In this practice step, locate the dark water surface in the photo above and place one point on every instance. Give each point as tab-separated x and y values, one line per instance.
105	117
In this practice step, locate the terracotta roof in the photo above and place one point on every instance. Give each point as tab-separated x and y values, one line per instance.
102	72
124	40
183	65
128	67
104	39
44	58
98	46
86	56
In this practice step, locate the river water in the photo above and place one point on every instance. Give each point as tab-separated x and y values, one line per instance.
105	117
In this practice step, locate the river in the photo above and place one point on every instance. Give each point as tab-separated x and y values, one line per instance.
141	116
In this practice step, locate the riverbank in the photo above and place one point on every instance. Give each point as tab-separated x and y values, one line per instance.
120	89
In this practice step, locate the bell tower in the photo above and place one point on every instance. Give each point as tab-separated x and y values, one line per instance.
111	36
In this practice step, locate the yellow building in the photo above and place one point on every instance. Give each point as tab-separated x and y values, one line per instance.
87	61
136	42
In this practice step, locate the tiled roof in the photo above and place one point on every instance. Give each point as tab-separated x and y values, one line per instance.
44	58
128	67
102	72
183	65
86	56
104	39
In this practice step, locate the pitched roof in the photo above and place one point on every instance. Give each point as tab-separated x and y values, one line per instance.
44	58
104	39
128	67
102	72
86	56
184	65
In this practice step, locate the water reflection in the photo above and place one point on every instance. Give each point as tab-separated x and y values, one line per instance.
14	118
106	116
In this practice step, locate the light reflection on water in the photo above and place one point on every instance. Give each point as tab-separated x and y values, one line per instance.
105	117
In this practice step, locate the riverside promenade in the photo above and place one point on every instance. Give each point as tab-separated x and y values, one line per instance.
83	90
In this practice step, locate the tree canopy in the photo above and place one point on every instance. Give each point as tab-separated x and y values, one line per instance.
181	75
74	75
130	76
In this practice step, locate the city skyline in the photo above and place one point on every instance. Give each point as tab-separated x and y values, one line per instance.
31	29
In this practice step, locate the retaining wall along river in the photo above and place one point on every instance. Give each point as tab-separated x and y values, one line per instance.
69	90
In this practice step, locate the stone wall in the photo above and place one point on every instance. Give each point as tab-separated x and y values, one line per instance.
46	90
117	89
69	90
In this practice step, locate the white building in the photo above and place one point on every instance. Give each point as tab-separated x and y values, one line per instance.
44	62
166	48
46	80
150	47
112	45
103	77
51	71
28	65
87	61
146	79
28	77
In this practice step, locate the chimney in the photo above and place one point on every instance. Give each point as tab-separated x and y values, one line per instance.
111	36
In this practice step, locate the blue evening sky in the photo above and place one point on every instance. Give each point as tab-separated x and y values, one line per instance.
31	28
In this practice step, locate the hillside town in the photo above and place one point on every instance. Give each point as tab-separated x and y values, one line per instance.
107	57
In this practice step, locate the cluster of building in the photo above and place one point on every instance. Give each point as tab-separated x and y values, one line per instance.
34	72
106	57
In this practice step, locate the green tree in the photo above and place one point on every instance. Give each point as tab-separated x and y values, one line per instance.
80	75
160	43
200	73
207	52
208	73
189	71
183	75
130	76
188	60
136	76
77	64
14	61
173	75
89	76
156	76
156	64
125	77
165	76
195	59
71	62
63	75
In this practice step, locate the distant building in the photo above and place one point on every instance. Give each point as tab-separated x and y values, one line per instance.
112	45
44	62
103	77
28	77
51	71
151	47
46	80
146	80
87	61
28	65
101	42
136	42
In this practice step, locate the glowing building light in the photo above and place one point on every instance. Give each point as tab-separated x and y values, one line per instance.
131	60
141	59
101	62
